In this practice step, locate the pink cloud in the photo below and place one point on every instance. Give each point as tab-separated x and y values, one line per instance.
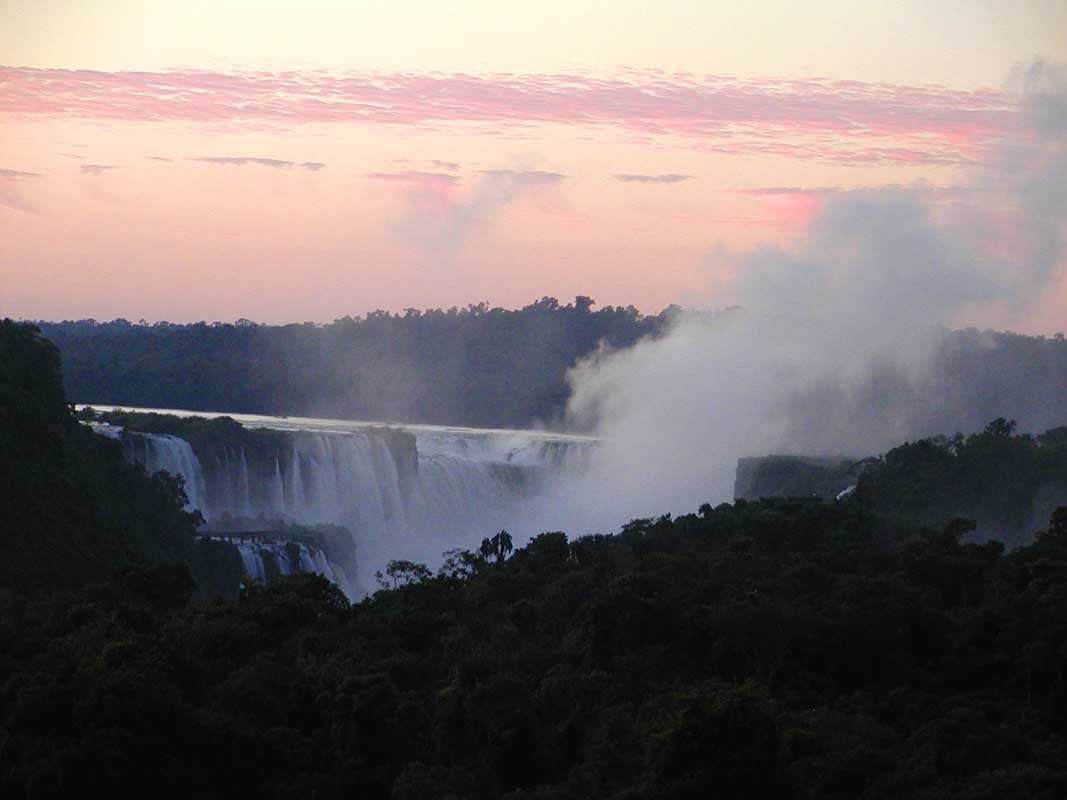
795	206
847	122
438	212
792	206
794	210
429	197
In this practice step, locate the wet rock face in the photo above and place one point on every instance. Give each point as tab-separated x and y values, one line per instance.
795	476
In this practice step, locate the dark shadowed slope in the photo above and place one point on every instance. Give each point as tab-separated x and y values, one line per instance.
71	508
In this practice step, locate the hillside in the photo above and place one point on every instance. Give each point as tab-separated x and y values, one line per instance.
72	509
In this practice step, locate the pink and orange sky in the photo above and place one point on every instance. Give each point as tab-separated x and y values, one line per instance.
284	162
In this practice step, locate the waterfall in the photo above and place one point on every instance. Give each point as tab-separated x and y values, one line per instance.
277	489
262	559
233	488
252	559
160	452
243	486
409	492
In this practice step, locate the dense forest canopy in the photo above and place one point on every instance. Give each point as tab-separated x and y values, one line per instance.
1007	483
775	649
778	648
493	367
477	366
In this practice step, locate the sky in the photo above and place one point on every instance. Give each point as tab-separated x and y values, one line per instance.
287	162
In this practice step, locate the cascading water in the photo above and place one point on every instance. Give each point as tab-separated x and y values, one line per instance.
262	560
410	492
160	452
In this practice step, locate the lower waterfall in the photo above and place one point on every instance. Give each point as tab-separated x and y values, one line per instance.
263	560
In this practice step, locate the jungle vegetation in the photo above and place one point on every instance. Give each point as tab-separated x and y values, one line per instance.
774	648
502	368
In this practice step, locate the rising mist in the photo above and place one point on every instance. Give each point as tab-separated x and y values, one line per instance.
837	343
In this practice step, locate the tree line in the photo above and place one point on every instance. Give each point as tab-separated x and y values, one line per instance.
493	367
476	366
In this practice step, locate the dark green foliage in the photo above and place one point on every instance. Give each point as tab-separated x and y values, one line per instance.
493	367
400	572
499	546
71	508
477	366
783	648
780	648
1008	483
794	476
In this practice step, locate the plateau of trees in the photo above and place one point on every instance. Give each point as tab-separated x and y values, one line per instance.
494	367
477	366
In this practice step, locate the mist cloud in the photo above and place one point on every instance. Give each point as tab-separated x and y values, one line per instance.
834	340
97	169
